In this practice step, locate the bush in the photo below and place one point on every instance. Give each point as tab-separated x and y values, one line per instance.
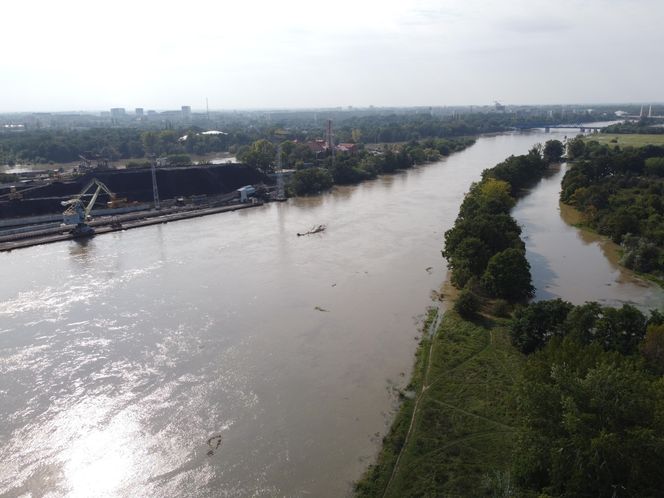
467	304
655	166
178	159
501	308
652	348
640	254
138	164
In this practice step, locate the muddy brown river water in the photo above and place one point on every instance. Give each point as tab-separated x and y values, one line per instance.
225	356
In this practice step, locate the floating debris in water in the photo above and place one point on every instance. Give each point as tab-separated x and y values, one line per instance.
214	442
312	230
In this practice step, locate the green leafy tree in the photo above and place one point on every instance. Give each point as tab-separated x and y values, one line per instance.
652	348
260	155
532	326
553	151
310	181
576	148
150	140
592	424
507	276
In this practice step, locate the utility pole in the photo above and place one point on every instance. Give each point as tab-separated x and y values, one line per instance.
281	191
155	191
330	139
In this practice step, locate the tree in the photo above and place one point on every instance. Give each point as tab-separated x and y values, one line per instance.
639	254
652	348
553	151
495	196
620	329
576	148
310	181
614	329
507	276
591	424
468	260
260	155
533	325
150	140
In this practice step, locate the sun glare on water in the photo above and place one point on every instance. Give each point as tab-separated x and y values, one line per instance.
105	459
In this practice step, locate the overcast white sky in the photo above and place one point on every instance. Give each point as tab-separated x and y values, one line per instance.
89	54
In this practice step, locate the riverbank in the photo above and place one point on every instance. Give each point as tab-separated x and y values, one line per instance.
611	250
452	435
619	193
626	139
458	435
451	438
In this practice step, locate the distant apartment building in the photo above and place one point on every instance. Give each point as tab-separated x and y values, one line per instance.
186	111
139	112
118	112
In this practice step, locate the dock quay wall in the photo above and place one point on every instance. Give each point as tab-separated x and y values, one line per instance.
136	186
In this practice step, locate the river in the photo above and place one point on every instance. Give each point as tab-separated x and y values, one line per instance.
225	356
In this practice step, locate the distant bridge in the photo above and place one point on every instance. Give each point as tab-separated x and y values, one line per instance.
547	127
582	128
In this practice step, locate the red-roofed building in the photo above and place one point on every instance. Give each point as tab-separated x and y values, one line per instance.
346	147
317	146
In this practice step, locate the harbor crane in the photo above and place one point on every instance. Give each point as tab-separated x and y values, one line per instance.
77	213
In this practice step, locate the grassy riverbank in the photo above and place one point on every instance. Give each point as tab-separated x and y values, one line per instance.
625	139
462	432
455	437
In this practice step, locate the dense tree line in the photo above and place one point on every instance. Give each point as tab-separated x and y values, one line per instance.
406	127
133	142
620	192
348	168
61	146
591	400
484	250
642	126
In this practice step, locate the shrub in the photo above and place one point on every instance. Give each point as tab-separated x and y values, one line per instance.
467	304
501	308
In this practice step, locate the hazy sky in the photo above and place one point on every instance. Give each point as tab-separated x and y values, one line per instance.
89	54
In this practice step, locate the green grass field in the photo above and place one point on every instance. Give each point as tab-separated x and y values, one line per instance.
461	436
624	140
